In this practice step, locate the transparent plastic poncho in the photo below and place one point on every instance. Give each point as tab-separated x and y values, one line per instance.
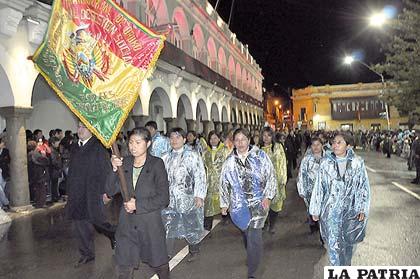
338	200
187	180
308	172
243	186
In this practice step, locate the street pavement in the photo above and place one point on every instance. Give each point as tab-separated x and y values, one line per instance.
41	244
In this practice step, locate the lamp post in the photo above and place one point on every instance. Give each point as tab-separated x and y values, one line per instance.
348	60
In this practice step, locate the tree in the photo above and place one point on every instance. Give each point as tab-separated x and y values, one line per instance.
402	63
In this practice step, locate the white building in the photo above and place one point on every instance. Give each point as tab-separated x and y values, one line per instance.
205	78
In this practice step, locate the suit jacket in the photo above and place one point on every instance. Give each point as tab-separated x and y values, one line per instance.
86	179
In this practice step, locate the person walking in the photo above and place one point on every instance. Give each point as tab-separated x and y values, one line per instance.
416	156
184	217
214	157
247	186
140	233
340	200
308	172
160	144
278	157
88	169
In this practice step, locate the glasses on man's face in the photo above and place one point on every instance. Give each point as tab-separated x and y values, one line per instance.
338	142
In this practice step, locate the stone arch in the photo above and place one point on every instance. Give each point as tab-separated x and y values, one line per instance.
184	111
201	114
212	54
160	107
233	117
199	50
244	80
49	112
231	67
240	117
181	32
214	113
238	76
156	13
7	99
222	62
225	117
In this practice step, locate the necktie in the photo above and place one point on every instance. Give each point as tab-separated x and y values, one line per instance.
81	144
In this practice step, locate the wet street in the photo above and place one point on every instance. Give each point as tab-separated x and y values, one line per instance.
41	245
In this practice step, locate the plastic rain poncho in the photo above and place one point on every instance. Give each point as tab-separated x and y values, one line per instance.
337	201
308	172
187	179
278	158
213	162
160	145
243	186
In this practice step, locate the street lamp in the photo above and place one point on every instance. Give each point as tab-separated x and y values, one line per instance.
377	19
348	60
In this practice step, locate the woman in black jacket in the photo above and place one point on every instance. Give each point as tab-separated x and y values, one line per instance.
140	234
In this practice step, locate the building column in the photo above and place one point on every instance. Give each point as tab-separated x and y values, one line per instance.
206	127
225	127
217	126
16	143
190	124
139	120
170	123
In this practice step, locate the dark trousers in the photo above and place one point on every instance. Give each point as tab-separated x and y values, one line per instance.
55	194
85	234
208	223
254	247
170	246
84	231
418	174
40	194
127	272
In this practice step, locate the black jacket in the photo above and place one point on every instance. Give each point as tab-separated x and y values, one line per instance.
4	163
141	235
88	169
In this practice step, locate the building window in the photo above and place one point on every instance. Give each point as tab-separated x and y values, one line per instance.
302	115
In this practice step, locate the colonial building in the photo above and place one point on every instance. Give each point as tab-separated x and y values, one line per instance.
205	78
344	107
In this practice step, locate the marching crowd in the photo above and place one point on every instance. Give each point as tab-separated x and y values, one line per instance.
179	182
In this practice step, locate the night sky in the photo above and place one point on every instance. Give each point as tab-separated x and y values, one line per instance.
302	42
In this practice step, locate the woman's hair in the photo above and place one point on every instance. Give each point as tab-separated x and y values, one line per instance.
316	139
348	138
179	131
141	132
211	133
242	131
271	132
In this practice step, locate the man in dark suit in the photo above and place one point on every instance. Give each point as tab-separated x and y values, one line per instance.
88	169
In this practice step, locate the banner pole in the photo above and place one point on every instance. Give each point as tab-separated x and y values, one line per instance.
121	176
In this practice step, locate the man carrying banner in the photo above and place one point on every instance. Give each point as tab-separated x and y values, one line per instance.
86	180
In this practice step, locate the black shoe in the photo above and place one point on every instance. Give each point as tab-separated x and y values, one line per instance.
113	242
6	208
84	260
414	182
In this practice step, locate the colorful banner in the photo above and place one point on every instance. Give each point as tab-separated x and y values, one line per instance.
95	56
